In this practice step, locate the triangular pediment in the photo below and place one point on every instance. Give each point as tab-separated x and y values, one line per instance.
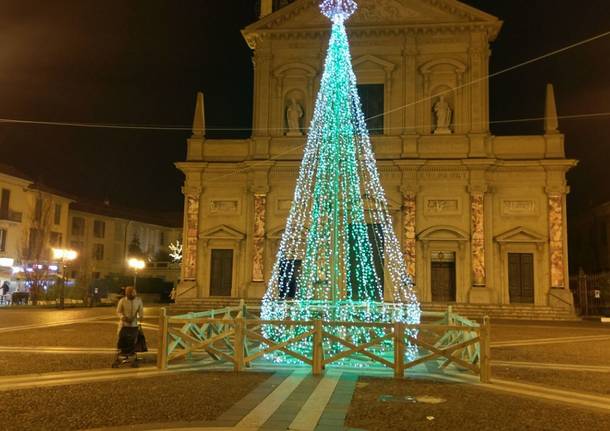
222	232
520	234
276	233
305	14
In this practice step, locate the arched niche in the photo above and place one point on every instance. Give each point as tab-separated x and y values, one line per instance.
443	76
293	79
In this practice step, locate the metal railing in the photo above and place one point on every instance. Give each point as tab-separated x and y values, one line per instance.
10	215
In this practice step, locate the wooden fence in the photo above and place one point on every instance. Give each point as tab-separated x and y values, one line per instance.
236	335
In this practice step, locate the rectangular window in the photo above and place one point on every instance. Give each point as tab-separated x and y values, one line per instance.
3	233
372	99
78	226
38	210
5	203
98	251
35	243
117	252
119	232
99	229
57	215
376	239
161	238
289	274
55	239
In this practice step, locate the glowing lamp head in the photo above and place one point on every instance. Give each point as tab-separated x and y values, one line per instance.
338	10
63	254
7	262
136	263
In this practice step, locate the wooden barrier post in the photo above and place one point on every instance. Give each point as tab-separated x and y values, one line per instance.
238	344
318	348
163	333
485	350
399	350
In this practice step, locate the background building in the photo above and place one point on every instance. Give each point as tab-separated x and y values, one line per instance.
33	219
106	236
482	218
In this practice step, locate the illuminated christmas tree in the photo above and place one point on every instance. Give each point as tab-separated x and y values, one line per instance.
339	241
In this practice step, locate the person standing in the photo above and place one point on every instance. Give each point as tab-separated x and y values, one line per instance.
130	309
4	292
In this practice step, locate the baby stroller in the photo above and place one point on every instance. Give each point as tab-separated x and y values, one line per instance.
131	341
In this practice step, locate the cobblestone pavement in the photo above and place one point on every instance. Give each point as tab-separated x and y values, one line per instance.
163	399
98	334
328	399
388	404
20	316
587	381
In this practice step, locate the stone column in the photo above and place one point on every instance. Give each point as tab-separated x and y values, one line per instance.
556	246
408	230
192	197
258	242
477	242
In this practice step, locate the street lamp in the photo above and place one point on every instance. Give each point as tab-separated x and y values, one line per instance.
136	265
63	256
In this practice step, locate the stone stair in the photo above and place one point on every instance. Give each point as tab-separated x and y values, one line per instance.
504	311
472	311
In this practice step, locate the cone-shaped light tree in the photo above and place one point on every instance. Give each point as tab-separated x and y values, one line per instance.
339	242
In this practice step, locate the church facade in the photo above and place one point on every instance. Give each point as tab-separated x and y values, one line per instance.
481	218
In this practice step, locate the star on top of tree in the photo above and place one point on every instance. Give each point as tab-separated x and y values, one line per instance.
338	10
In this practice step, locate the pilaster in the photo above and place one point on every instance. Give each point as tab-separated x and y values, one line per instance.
259	189
258	239
409	189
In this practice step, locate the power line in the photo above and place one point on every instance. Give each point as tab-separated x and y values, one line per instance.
500	72
189	128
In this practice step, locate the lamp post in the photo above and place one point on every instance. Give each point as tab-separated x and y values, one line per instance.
136	265
63	256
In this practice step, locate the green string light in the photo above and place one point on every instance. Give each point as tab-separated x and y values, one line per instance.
339	236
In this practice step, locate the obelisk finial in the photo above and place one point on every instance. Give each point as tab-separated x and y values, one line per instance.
551	123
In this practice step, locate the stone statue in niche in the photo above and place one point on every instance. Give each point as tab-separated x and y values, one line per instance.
294	113
443	113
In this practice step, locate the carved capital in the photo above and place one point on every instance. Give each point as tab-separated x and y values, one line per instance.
409	191
192	191
477	188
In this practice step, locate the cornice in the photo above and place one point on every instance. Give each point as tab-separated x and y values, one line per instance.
473	19
254	39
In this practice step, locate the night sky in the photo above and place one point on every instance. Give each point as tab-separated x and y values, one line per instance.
142	61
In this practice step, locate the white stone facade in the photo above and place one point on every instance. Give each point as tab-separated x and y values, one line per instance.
482	213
